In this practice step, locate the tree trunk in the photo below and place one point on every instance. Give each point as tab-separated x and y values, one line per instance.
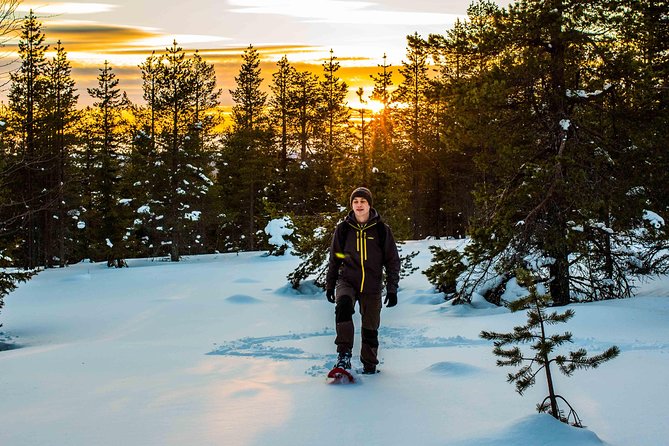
175	232
551	391
251	222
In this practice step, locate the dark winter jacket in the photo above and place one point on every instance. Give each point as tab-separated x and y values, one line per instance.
357	256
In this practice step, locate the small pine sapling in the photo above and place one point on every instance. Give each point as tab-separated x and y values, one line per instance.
542	348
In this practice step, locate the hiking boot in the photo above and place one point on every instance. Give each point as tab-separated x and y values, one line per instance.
344	361
369	371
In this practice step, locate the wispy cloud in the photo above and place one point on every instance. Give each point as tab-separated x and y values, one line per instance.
65	7
89	38
85	34
340	11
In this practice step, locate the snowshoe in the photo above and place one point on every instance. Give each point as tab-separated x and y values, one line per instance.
340	375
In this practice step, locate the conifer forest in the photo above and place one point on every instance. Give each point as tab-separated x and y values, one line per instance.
539	131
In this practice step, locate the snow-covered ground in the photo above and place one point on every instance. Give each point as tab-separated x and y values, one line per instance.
219	350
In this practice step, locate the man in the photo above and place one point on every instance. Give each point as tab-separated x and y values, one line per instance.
362	246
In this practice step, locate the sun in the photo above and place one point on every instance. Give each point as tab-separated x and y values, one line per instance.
370	105
374	106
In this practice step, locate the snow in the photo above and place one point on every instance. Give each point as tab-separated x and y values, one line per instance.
219	349
652	218
193	216
144	209
277	230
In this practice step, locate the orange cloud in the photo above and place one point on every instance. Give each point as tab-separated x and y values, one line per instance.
89	44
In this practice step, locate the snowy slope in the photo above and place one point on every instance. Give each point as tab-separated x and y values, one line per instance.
219	350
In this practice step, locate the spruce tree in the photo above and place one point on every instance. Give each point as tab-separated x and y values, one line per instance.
280	109
170	165
202	143
310	173
364	161
564	180
249	108
109	212
335	111
26	102
60	102
409	123
543	346
388	177
174	95
383	82
247	160
205	98
305	99
150	76
145	168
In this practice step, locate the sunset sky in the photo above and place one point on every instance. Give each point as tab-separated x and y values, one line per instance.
124	32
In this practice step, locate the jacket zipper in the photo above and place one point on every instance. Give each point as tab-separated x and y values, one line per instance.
361	246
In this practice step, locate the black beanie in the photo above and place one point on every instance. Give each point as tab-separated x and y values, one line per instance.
364	193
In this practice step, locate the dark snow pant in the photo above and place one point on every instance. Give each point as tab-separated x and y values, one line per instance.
370	311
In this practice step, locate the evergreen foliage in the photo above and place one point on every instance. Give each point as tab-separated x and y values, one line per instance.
107	211
25	125
536	129
59	102
314	237
171	158
247	159
548	115
543	345
445	268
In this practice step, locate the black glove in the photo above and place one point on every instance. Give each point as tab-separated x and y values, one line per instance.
391	300
330	294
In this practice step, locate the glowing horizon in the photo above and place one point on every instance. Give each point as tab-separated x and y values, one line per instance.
126	32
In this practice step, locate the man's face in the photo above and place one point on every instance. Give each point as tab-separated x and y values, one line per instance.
361	209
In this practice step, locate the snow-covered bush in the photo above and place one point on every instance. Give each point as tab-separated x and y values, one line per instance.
279	231
604	263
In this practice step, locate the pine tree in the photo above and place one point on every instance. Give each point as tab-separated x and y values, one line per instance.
150	76
335	111
305	98
248	111
247	156
383	81
364	162
170	166
174	97
543	346
334	157
10	213
202	143
205	98
146	166
60	102
26	98
463	55
110	218
409	120
308	175
280	108
564	179
388	179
